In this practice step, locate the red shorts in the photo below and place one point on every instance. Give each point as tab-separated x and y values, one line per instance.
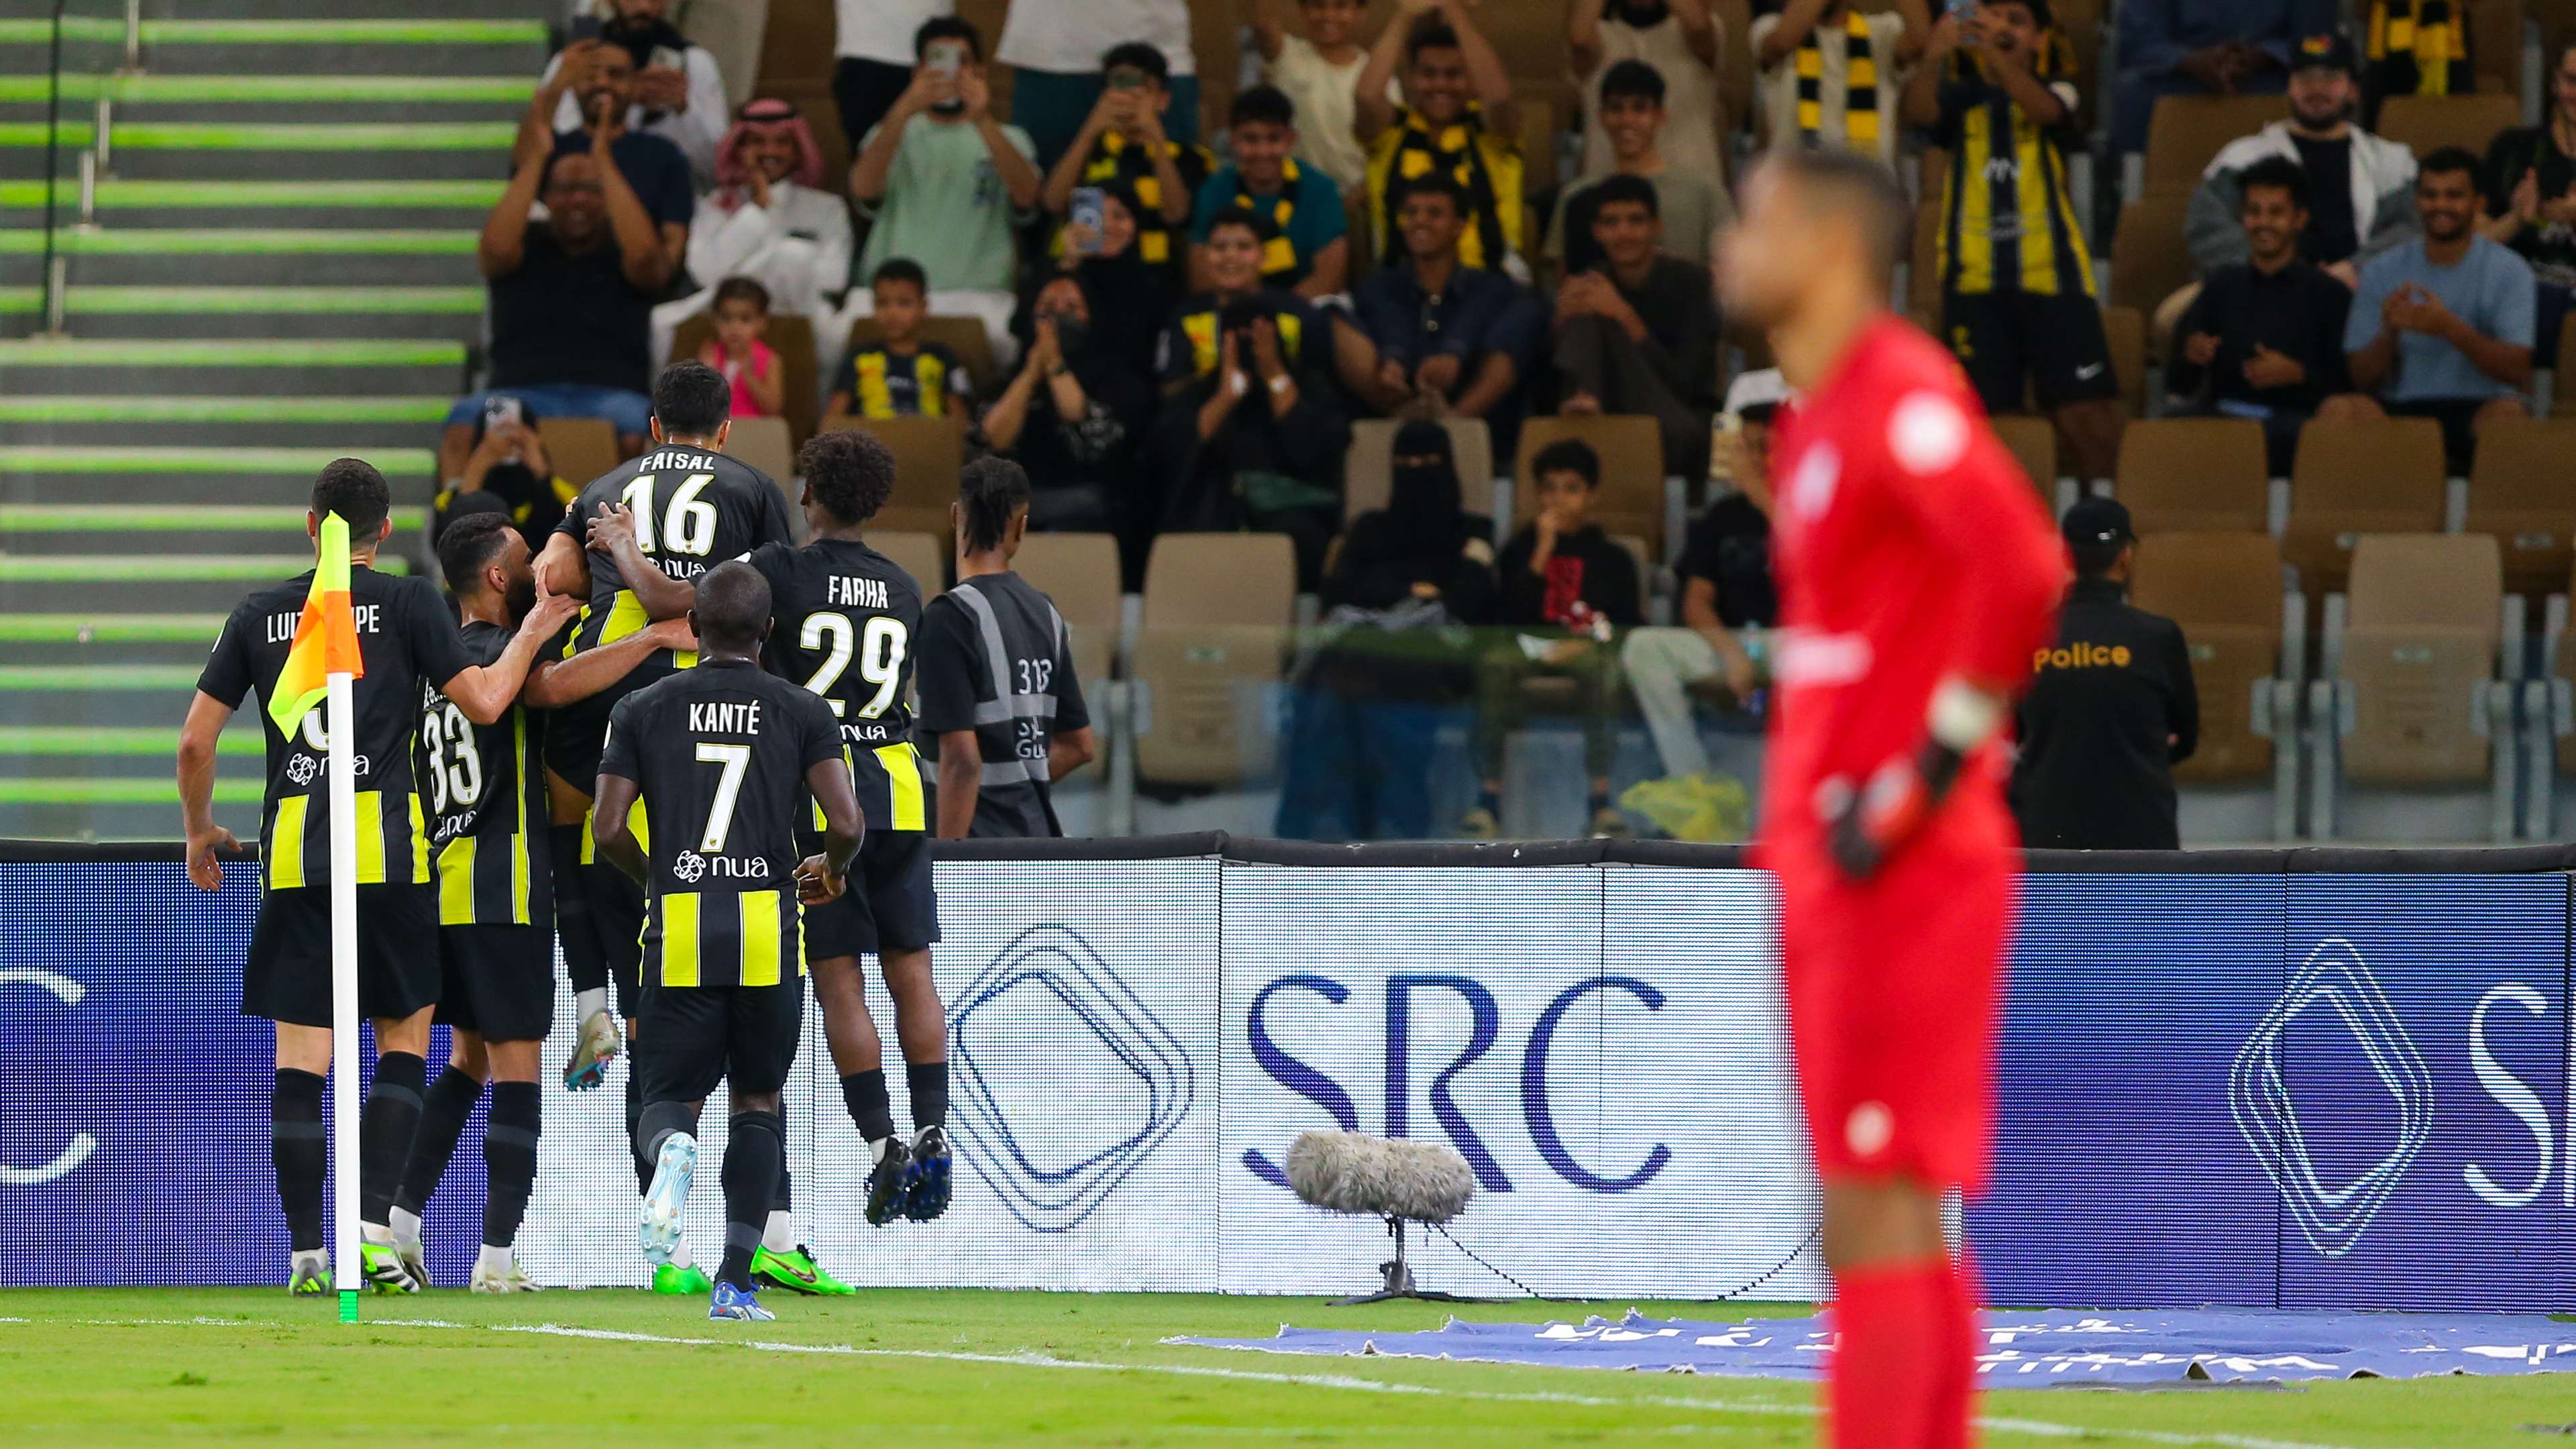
1893	988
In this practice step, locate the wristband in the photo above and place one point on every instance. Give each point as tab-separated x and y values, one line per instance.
1279	385
1962	716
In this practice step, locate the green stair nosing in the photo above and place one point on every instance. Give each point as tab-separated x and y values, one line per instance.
495	136
127	301
180	408
113	741
77	791
31	678
34	133
18	628
150	89
231	352
116	194
177	517
239	241
160	568
341	32
303	461
75	27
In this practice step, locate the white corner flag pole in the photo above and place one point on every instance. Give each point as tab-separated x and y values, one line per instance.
340	723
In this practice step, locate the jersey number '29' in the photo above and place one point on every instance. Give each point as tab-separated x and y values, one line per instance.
880	653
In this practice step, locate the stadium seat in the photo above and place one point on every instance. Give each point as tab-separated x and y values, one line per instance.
580	448
1367	469
2425	123
2562	379
2148	260
922	555
1632	473
2125	330
2224	589
792	336
1080	572
2519	494
2495	46
2353	478
2186	132
2202	475
1217	609
927	456
1734	63
2410	693
1216	41
2033	442
762	443
964	336
2080	22
1923	270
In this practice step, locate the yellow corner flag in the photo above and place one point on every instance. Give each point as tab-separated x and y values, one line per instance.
326	637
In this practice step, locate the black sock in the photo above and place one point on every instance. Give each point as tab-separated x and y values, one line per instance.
635	1126
928	1084
386	1127
584	962
865	1092
442	1121
295	1144
754	1155
510	1157
652	1126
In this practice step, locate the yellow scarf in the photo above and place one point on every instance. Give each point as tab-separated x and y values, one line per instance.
1278	255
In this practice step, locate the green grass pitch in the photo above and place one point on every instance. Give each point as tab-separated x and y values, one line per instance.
224	1366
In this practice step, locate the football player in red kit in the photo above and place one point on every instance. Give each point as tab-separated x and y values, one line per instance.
1918	572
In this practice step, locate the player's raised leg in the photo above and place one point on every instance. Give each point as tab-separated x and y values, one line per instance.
433	1145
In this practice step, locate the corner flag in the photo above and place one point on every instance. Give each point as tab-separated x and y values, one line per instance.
326	637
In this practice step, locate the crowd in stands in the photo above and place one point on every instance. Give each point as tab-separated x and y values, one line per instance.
1189	290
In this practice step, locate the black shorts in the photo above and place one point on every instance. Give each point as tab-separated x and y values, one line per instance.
288	976
2458	417
2011	342
888	903
497	981
693	1037
576	736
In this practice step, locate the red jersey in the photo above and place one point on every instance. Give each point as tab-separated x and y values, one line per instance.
1910	547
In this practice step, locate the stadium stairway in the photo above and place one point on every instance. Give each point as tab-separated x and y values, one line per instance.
274	268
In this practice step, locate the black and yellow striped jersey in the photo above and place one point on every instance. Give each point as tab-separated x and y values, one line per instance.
845	621
718	755
407	638
2008	221
484	787
693	509
884	383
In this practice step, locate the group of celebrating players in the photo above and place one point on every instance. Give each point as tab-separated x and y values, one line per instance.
673	739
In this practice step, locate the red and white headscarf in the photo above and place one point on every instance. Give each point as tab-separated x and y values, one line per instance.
768	116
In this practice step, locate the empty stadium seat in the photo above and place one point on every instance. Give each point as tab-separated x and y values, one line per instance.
792	336
2519	494
2353	478
1367	469
2495	45
2198	475
922	555
2562	379
927	457
2187	132
2424	123
1080	572
580	448
2224	589
1217	609
1734	63
2033	442
2124	330
964	336
2411	693
1632	473
762	443
2148	260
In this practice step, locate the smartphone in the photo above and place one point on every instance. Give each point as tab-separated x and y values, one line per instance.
945	58
502	408
1127	78
1721	461
1090	206
667	57
583	27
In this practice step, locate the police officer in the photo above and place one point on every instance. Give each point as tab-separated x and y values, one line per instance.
2112	709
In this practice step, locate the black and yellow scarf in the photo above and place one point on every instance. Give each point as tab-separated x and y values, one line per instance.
2419	47
1860	86
1116	160
1488	169
1278	254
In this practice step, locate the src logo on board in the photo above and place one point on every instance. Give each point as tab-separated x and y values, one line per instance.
2332	1216
1053	1155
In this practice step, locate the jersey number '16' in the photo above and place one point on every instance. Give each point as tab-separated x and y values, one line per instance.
688	525
879	650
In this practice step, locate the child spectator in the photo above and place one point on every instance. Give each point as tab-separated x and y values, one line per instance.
1318	73
1124	140
899	375
737	351
1564	585
1682	40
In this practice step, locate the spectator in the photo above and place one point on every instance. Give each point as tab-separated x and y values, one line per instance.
1053	49
2204	47
1410	580
1451	340
508	471
1073	418
1130	301
571	298
1250	434
1681	40
1640	335
1312	255
2418	48
2264	338
876	55
2361	188
2016	296
1318	72
768	220
1631	108
679	95
1562	586
900	375
2531	199
1727	591
2111	708
1124	141
1828	73
603	77
739	351
939	179
2441	325
1441	127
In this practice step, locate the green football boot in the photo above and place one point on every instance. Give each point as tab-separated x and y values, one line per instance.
796	1271
312	1273
689	1281
385	1270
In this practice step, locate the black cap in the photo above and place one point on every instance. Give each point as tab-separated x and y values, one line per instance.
2094	521
2331	49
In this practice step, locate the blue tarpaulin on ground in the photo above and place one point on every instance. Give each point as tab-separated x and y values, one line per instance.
2026	1349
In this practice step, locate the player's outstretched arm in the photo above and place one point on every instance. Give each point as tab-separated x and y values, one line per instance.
614	801
612	532
961	781
206	718
554	683
485	692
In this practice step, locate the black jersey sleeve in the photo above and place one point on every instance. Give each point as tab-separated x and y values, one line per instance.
227	678
617	756
429	632
948	668
1070	712
819	732
776	562
774	526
